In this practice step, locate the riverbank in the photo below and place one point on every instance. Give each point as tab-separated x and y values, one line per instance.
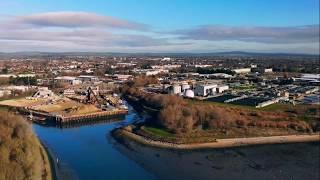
49	172
219	143
51	159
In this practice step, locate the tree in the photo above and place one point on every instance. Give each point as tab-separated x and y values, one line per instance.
5	70
4	81
20	149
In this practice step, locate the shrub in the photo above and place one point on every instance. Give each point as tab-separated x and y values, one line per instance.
20	156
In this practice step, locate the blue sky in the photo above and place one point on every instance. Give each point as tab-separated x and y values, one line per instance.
161	25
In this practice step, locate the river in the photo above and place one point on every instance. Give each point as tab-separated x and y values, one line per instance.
89	152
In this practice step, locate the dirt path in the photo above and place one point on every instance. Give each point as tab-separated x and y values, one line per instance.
222	143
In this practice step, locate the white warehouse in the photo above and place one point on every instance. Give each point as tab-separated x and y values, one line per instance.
242	70
222	88
67	79
208	89
175	89
205	89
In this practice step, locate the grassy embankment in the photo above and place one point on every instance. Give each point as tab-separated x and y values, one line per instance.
180	120
305	113
279	113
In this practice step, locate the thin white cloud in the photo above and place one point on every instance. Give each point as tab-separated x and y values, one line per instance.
81	31
71	19
85	37
273	35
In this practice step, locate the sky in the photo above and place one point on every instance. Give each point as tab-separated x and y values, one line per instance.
287	26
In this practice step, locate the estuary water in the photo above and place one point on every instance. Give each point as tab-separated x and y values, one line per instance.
88	152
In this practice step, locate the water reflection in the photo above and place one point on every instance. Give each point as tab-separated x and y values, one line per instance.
85	150
89	123
90	152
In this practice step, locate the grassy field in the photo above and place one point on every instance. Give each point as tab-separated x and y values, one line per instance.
278	107
221	104
245	88
307	113
158	131
161	134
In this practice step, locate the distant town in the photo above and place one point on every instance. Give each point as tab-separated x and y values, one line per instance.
180	102
159	90
239	80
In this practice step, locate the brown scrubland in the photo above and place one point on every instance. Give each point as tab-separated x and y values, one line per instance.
179	116
21	154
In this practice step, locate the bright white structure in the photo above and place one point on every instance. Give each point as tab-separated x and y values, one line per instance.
69	92
222	88
155	72
150	72
166	66
43	93
253	66
262	70
86	78
26	75
7	75
221	75
17	88
122	77
203	89
4	92
311	76
175	89
189	93
268	70
185	86
242	70
166	59
67	79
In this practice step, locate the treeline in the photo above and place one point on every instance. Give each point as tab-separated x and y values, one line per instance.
20	153
140	81
18	81
23	81
17	94
180	116
214	70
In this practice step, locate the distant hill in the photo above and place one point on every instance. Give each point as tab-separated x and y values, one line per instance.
229	53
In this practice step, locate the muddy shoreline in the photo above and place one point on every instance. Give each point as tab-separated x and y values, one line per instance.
220	143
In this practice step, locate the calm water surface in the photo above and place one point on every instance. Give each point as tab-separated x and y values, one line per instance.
88	152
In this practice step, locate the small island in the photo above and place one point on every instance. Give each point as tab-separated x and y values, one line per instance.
182	123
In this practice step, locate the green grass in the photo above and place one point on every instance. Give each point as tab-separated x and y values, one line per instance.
4	108
276	107
245	87
158	131
222	104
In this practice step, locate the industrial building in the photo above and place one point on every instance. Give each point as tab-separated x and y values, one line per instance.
150	72
203	89
68	80
242	70
87	78
175	89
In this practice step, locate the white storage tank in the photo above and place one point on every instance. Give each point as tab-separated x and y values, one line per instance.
189	93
